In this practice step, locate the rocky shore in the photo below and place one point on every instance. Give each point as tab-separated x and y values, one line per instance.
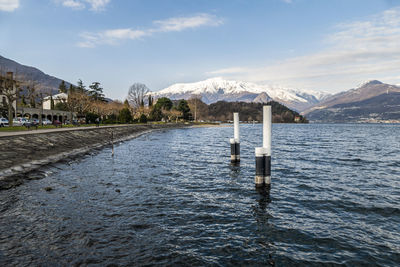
22	153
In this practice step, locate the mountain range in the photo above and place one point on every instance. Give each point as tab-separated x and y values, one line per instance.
372	101
27	73
218	89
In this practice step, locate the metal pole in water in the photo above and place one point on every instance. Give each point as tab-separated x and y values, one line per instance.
112	143
263	154
267	141
235	142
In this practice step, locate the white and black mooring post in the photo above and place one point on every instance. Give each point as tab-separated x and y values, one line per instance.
263	154
235	142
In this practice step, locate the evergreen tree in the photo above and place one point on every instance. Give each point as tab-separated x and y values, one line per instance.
142	103
96	91
71	89
62	87
81	87
164	103
184	108
150	100
155	114
143	118
125	115
126	103
91	117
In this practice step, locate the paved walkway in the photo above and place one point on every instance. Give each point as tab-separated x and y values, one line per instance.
64	129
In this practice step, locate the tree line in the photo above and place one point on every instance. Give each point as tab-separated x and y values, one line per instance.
223	111
140	106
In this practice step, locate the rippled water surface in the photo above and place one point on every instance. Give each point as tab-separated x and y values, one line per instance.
172	198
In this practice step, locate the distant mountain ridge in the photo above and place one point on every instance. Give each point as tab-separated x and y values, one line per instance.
218	89
372	101
43	80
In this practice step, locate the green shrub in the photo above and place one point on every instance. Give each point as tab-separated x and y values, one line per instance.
143	119
125	116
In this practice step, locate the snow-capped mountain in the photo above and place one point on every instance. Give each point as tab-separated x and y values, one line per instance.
217	89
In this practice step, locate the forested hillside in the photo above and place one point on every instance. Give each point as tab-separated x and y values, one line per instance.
223	111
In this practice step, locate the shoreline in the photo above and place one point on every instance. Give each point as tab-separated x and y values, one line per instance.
73	143
60	129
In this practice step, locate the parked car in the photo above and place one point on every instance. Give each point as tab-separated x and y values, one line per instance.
17	122
34	122
47	122
73	122
25	122
3	122
56	123
21	122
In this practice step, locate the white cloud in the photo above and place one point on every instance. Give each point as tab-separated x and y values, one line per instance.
182	23
9	5
357	51
73	4
94	5
115	36
97	5
110	37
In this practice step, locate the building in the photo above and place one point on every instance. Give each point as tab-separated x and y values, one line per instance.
58	98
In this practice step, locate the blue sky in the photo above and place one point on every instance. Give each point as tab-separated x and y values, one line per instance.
308	44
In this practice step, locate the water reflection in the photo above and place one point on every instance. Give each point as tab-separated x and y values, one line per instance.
264	197
235	164
234	170
264	226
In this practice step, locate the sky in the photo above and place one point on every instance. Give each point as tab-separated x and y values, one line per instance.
320	45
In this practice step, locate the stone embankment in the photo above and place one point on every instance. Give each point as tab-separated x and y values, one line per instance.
21	152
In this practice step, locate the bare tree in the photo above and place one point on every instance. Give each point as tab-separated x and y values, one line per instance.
198	107
78	102
33	92
136	94
42	95
114	107
9	89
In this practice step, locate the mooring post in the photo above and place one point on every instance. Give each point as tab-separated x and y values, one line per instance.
263	154
235	142
112	143
267	140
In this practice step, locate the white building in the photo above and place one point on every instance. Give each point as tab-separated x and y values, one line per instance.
58	98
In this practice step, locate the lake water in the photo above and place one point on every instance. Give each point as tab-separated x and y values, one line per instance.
172	198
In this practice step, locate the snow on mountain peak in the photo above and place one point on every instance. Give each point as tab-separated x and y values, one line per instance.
369	82
216	89
213	85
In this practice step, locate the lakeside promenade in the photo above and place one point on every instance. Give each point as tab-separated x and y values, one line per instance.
60	129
